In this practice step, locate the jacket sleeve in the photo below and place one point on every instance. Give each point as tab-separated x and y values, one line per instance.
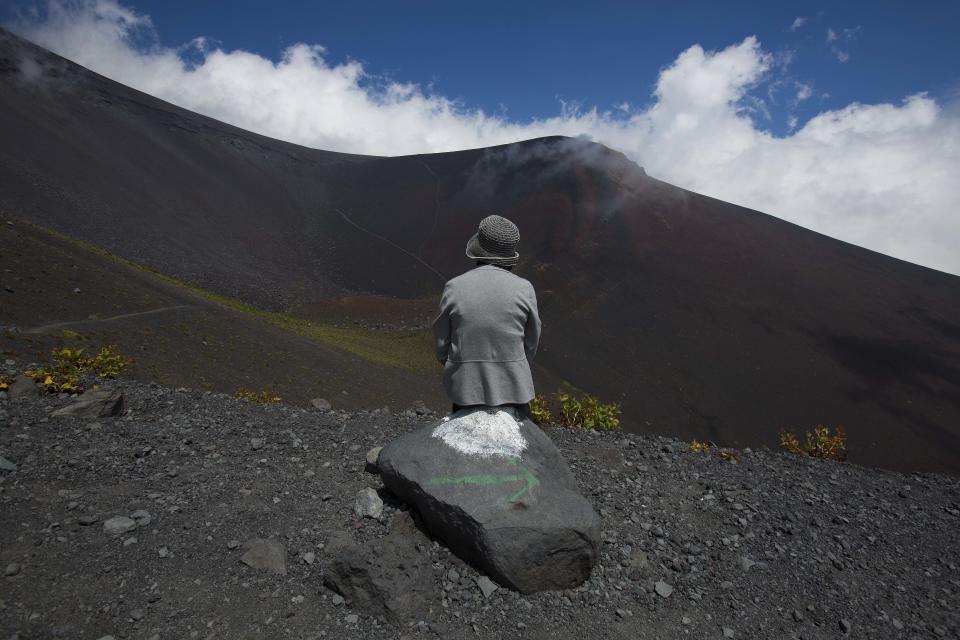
441	326
531	333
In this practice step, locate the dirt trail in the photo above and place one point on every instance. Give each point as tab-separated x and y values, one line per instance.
49	327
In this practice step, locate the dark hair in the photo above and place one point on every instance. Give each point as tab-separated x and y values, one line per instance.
507	267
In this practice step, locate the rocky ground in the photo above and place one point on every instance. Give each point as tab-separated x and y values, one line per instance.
135	526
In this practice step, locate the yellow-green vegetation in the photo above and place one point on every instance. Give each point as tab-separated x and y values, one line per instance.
587	412
411	350
5	382
698	447
730	456
819	443
540	410
72	335
264	396
576	409
62	375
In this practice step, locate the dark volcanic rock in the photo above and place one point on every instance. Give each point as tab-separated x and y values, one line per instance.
500	496
94	403
385	577
269	555
675	520
23	387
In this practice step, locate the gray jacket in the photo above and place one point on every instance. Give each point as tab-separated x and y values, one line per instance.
487	330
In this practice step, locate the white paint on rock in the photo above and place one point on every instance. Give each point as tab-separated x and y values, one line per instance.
483	433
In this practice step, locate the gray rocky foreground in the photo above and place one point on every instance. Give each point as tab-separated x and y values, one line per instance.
93	403
514	513
692	546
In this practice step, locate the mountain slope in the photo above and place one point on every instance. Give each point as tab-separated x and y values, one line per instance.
705	319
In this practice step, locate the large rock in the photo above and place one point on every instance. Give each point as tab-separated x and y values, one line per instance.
386	577
23	387
498	492
93	403
268	555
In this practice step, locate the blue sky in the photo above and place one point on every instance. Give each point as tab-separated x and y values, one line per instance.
521	58
842	118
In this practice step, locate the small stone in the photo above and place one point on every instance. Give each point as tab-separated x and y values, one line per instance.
269	555
233	544
845	626
685	620
320	404
137	614
663	589
141	517
337	600
487	586
727	632
638	560
256	443
23	387
372	456
118	525
352	619
309	557
7	465
368	504
163	552
129	541
797	616
12	569
726	585
624	613
88	519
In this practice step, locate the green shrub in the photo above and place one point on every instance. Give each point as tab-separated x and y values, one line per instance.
540	410
265	396
63	374
587	412
819	443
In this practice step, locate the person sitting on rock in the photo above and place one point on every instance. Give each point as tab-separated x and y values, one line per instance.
487	327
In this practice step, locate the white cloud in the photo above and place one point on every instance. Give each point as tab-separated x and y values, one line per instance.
804	91
881	175
798	22
832	39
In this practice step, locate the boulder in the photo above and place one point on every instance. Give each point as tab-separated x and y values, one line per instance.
93	403
386	577
23	387
496	490
268	555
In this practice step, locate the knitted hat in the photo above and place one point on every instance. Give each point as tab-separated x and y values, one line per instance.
495	242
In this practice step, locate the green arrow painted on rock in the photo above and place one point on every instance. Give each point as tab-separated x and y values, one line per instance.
489	479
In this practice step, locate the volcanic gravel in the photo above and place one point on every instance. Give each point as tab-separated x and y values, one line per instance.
694	546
